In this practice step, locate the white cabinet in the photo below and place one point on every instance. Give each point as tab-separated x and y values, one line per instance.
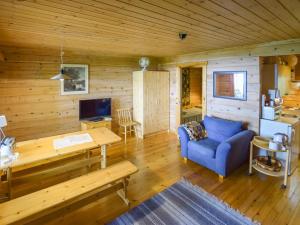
288	126
151	94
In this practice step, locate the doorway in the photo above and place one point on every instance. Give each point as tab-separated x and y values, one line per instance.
191	92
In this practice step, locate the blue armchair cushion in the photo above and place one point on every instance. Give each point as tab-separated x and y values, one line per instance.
206	148
219	129
195	130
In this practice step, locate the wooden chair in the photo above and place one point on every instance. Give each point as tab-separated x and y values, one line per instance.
126	123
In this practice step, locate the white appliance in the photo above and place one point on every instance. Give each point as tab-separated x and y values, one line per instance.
271	113
269	127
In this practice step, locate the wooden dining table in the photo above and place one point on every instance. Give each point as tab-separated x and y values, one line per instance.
32	152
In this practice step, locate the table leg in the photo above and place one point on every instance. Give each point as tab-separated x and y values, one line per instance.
290	161
125	134
135	132
103	156
287	163
9	177
250	158
123	193
88	157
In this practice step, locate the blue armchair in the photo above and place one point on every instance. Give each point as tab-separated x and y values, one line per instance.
225	148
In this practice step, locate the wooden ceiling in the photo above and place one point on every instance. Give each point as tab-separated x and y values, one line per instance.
146	27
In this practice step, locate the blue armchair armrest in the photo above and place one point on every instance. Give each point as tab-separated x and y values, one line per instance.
184	139
233	152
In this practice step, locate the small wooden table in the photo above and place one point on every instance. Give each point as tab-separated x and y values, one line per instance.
42	149
263	143
86	125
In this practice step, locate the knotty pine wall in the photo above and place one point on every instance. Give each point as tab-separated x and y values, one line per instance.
247	111
32	103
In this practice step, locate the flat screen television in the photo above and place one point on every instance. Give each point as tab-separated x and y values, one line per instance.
94	109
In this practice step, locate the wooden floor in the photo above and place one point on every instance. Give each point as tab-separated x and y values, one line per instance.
160	165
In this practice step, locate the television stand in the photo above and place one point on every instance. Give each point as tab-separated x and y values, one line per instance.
96	119
88	124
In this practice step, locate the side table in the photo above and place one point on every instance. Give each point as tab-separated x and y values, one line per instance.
263	143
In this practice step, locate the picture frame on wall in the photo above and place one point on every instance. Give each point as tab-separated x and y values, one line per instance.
79	84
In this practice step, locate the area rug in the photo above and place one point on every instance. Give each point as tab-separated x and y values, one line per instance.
183	203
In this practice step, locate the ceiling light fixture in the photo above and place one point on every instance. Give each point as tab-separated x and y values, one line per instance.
182	35
61	75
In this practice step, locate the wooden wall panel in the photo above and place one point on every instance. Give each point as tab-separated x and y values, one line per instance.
247	111
33	104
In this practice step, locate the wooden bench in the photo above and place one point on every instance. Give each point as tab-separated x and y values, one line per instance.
38	204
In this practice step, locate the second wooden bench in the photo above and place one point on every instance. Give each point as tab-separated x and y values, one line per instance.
38	204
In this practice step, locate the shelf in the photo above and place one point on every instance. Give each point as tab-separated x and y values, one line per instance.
268	172
263	143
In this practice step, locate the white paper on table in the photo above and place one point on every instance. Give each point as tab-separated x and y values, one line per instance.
72	140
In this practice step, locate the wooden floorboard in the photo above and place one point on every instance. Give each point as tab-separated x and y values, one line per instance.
160	165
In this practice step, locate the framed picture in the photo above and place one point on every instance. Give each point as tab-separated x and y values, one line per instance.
80	79
230	84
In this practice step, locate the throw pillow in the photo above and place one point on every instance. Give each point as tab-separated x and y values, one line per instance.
195	130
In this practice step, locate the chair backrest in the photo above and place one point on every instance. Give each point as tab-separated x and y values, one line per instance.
221	129
124	115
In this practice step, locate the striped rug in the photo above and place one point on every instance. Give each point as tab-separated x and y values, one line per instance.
183	203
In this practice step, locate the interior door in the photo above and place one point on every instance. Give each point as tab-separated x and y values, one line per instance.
151	102
163	104
178	96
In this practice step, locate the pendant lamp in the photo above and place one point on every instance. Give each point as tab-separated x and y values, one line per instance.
61	75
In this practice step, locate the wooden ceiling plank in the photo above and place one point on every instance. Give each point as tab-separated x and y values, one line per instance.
113	11
49	26
87	23
182	25
139	27
161	30
265	13
281	12
222	19
93	19
138	43
93	47
196	18
77	29
292	6
64	12
232	8
94	36
137	5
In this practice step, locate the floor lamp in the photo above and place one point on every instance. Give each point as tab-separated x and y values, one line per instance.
3	123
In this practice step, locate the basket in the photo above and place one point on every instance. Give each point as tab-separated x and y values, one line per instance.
262	161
